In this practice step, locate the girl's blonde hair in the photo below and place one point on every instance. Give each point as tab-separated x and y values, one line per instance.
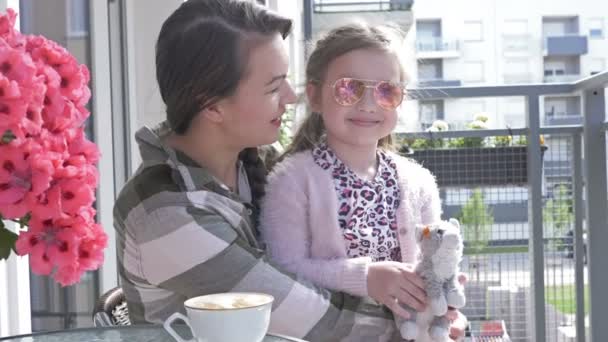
334	44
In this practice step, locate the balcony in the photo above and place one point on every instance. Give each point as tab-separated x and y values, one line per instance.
563	120
333	6
559	76
322	15
430	48
566	45
438	82
519	261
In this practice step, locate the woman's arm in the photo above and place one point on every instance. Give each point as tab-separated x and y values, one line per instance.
285	227
193	251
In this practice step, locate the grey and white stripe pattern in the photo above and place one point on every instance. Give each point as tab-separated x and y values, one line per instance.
182	234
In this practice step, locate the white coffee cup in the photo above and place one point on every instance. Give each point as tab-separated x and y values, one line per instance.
225	317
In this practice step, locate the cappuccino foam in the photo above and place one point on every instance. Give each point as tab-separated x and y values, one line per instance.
227	301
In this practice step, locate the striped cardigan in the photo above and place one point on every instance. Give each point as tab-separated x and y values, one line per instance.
182	234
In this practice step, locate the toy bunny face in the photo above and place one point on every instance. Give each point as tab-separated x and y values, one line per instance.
441	242
439	235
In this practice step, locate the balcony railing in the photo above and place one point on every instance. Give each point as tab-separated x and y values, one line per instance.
427	48
524	275
324	6
560	77
565	45
563	120
436	44
438	82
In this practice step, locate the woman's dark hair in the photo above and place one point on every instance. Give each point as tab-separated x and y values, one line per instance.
201	56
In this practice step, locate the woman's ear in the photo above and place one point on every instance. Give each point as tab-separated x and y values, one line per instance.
313	94
213	113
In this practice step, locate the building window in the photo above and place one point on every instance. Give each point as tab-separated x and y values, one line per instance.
78	18
473	31
596	28
429	111
473	71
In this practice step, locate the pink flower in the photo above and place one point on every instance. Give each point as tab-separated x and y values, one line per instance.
14	181
75	194
47	51
29	242
64	248
40	262
74	79
91	249
81	146
46	205
68	274
33	242
25	172
16	66
7	29
7	23
47	165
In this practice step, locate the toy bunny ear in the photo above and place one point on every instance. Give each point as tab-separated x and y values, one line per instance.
422	232
455	222
419	232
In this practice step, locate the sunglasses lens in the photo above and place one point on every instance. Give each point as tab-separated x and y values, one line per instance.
348	91
388	95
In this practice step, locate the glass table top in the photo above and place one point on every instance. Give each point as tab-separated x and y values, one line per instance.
135	333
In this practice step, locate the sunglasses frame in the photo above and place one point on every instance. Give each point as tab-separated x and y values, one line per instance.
366	85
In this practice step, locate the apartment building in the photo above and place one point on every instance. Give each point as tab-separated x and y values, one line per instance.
478	42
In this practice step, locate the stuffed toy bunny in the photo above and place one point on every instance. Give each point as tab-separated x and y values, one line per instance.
440	247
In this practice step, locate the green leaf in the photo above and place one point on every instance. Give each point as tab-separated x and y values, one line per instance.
7	137
7	242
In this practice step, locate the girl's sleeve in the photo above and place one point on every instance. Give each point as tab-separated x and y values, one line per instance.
431	203
285	228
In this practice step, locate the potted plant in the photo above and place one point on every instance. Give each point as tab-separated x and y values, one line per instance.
472	161
48	172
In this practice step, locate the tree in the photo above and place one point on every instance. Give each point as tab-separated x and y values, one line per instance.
557	213
476	219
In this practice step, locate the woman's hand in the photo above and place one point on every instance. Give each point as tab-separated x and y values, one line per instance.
393	283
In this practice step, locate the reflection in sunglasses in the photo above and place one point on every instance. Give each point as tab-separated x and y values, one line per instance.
349	91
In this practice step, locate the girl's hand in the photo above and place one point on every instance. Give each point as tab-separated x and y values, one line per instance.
393	283
458	320
458	325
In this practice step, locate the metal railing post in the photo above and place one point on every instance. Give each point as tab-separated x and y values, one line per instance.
535	219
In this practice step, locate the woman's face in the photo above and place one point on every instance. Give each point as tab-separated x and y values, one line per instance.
252	116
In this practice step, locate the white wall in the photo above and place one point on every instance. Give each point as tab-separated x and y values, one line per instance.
144	20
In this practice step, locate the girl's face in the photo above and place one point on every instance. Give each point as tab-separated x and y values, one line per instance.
372	117
252	116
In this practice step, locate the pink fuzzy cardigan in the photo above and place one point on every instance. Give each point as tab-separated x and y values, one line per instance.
299	221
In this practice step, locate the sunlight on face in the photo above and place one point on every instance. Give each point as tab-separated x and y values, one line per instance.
253	113
364	122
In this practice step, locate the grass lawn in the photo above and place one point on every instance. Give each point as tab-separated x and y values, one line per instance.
563	298
496	250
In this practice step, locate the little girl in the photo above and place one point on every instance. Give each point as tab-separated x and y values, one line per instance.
340	208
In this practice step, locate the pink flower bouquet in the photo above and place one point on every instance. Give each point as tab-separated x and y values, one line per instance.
48	175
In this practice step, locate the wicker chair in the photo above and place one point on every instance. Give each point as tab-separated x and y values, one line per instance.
111	309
